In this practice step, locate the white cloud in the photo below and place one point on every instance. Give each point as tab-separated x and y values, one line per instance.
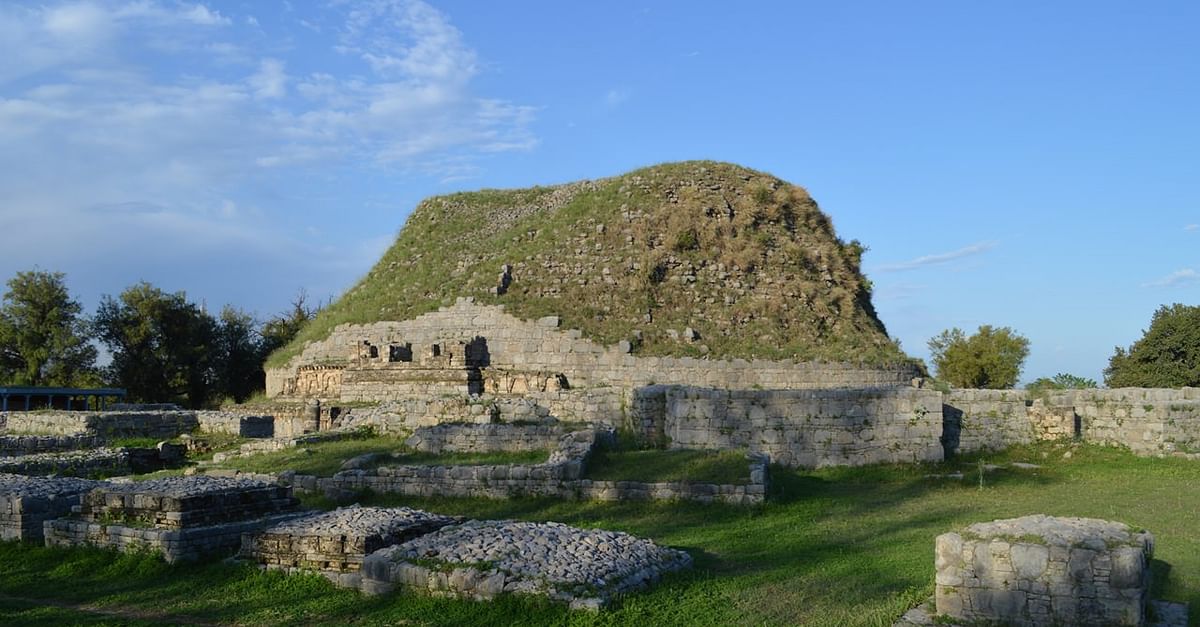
1192	227
929	260
117	157
1186	276
270	81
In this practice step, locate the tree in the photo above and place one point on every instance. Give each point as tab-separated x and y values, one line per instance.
1062	381
43	338
161	345
1167	355
238	355
282	329
992	358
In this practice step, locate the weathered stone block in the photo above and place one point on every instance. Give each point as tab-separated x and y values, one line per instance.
1039	570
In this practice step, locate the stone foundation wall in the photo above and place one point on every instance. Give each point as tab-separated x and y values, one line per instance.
27	502
13	445
540	346
450	438
175	545
803	428
148	424
979	420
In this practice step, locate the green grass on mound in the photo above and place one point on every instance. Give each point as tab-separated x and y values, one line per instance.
841	546
746	259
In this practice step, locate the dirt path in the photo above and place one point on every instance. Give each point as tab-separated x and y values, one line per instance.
111	611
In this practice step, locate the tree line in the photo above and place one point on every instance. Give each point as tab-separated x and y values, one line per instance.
1166	356
164	348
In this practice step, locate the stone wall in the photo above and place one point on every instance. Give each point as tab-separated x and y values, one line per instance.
519	346
13	445
805	428
1148	421
451	438
27	502
132	424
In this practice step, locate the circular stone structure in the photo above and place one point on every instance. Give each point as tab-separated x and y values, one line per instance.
1040	570
482	559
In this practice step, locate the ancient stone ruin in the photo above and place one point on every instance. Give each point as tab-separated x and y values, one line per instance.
483	559
182	518
27	502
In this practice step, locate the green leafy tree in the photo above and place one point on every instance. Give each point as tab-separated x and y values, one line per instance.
239	355
1062	381
1167	355
161	345
992	358
43	338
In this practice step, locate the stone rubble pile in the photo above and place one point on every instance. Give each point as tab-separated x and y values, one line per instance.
336	542
27	502
482	559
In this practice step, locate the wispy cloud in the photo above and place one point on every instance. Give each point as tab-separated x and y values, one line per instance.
1192	227
930	260
94	115
616	97
1186	276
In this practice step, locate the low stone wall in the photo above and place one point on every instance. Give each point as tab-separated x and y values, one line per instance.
1040	570
175	545
27	502
149	424
235	423
450	438
271	445
96	462
560	477
1147	421
14	445
335	543
804	428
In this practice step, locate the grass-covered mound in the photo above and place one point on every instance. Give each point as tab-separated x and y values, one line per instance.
840	546
746	259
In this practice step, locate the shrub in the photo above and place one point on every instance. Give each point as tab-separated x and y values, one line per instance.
992	358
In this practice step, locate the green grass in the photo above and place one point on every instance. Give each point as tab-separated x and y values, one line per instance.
326	458
842	546
724	467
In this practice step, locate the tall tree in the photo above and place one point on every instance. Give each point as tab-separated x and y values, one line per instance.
43	338
992	358
1166	356
161	345
239	355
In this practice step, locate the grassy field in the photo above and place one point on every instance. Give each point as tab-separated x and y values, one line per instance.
833	547
724	467
326	458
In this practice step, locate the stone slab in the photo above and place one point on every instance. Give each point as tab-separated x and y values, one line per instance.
482	559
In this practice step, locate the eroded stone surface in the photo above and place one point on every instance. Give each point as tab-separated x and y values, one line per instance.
339	540
1039	570
482	559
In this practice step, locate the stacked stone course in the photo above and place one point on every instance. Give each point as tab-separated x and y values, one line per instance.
487	438
183	518
27	502
336	542
1041	570
108	425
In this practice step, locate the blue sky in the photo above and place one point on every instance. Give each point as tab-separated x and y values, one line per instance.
1020	164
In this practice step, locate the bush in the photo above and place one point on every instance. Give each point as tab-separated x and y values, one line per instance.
992	358
1167	355
1062	381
